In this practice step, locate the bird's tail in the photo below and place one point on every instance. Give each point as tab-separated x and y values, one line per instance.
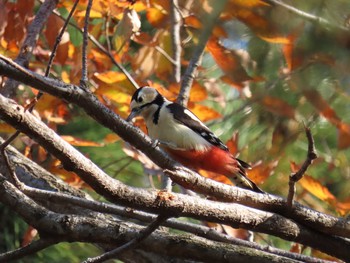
240	178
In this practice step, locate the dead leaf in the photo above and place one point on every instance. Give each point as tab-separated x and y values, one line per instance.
278	106
261	171
28	236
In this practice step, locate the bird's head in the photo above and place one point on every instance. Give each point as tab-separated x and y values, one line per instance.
144	102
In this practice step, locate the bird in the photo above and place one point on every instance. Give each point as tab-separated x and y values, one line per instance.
186	138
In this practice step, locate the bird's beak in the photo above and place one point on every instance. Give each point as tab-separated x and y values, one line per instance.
134	113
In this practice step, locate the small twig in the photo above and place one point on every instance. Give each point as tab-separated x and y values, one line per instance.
32	248
295	177
84	70
175	39
189	75
310	17
132	243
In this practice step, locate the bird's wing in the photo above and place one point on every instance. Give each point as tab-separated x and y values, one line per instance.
188	119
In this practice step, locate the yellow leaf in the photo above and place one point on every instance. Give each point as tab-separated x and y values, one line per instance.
204	113
316	188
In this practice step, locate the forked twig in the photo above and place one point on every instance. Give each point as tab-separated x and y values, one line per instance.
295	177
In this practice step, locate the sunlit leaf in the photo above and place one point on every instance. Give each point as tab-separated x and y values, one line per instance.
229	61
80	142
111	138
204	113
314	186
261	171
126	28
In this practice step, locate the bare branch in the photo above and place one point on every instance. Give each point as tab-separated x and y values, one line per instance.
175	39
190	73
184	177
84	70
32	248
310	17
293	178
199	230
176	204
144	233
29	43
113	232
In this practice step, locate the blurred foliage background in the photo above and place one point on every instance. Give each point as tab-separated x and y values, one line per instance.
267	70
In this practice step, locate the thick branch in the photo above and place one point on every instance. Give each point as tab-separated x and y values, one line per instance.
321	222
86	229
176	204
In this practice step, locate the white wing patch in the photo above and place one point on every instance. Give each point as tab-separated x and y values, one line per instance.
169	131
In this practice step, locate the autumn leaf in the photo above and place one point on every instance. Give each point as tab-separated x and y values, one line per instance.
125	29
28	236
261	171
314	186
230	62
278	106
80	142
232	144
204	113
216	177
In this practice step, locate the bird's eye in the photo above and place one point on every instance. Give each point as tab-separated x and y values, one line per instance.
140	99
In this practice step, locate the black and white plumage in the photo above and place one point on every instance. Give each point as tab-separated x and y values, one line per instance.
185	137
170	122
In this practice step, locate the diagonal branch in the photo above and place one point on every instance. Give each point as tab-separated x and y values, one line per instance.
191	70
174	204
184	177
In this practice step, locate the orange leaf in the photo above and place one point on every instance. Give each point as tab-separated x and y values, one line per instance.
232	144
315	98
230	61
69	177
217	177
111	138
193	21
80	142
261	171
278	106
28	236
316	188
343	207
204	113
6	128
343	135
197	93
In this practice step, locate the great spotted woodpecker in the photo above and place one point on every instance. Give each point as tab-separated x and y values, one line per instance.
186	138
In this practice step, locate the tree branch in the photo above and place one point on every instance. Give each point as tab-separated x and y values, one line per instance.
29	43
307	16
184	177
295	177
93	229
144	233
173	204
190	72
84	70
